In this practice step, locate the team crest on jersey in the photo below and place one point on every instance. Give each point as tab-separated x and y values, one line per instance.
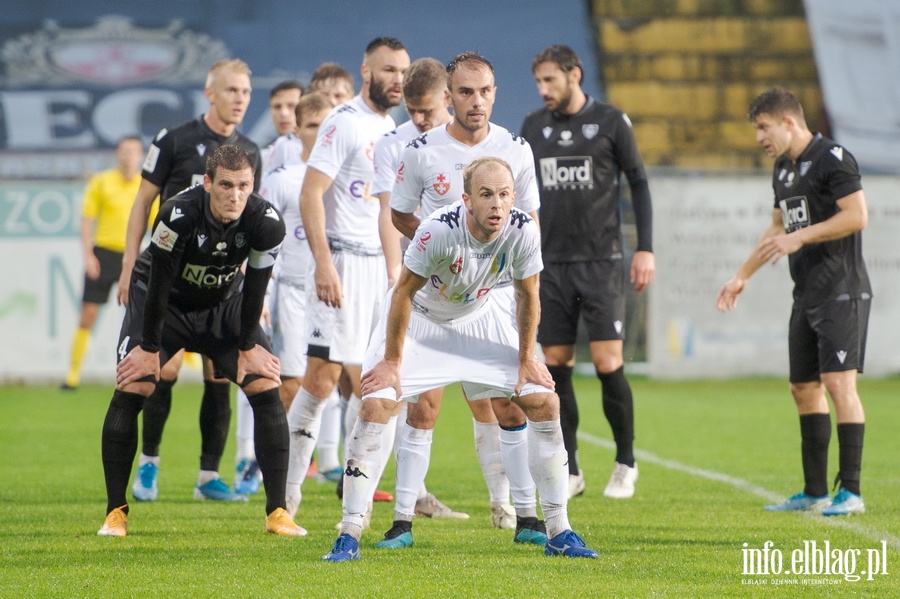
591	130
201	149
547	131
804	167
442	184
240	239
498	264
370	151
457	266
565	138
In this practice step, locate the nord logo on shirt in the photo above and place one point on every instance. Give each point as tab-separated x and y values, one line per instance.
567	172
794	213
209	276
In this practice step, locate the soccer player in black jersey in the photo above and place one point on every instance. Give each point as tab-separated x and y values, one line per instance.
581	148
817	221
188	292
175	161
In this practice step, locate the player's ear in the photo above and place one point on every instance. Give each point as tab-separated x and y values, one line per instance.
207	183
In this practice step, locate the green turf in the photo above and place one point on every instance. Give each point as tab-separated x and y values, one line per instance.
682	535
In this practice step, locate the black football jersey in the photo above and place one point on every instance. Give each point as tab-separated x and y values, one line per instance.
201	259
578	160
177	157
806	193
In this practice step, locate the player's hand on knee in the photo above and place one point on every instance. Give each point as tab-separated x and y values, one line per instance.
532	370
383	375
259	361
137	366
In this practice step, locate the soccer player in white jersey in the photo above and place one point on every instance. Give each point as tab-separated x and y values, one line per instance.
441	327
286	148
432	174
347	277
424	94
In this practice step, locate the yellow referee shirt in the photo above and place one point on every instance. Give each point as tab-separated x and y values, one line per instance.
107	200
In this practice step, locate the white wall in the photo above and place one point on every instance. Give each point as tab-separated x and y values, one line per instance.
703	229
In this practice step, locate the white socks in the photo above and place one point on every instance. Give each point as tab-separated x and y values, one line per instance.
304	419
364	454
514	452
547	462
487	448
330	434
413	457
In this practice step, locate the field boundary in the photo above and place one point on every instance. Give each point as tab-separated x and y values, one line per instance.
743	485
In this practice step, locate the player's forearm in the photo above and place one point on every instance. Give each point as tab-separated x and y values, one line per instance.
159	286
137	222
312	211
405	222
87	237
398	320
754	262
254	294
390	238
643	214
852	217
528	314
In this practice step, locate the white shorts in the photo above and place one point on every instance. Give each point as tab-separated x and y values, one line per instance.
479	350
288	307
341	334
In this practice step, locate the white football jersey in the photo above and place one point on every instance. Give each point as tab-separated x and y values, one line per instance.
344	151
462	271
387	155
286	149
431	169
281	188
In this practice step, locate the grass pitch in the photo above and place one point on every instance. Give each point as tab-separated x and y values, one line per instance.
711	454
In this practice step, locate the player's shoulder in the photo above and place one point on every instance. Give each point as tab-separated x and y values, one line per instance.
170	134
505	138
186	206
245	142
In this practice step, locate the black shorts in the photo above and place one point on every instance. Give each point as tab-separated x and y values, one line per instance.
212	332
96	291
828	337
595	290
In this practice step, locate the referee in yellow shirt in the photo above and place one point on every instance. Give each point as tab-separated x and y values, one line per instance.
104	220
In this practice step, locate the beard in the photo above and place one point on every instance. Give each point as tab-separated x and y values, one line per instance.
379	97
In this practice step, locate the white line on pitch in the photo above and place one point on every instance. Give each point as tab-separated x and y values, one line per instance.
743	485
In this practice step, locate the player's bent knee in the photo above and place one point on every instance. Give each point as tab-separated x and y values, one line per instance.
539	406
509	415
254	383
144	388
375	409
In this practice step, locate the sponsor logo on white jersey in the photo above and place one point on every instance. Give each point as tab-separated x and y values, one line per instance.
567	172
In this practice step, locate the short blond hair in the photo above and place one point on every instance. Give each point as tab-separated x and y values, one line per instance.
227	65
